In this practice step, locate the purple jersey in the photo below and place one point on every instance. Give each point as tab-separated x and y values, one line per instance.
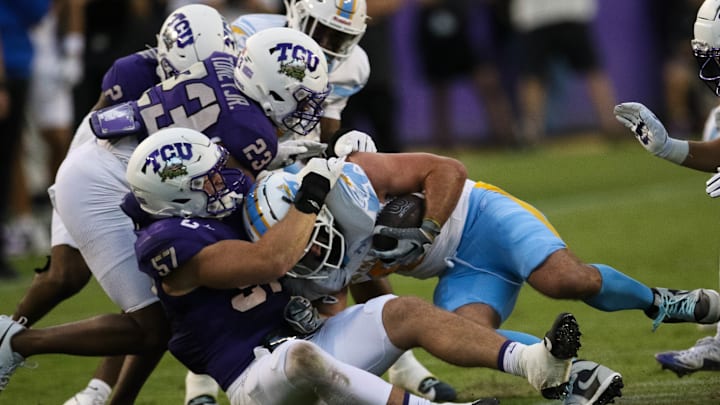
205	98
129	77
213	331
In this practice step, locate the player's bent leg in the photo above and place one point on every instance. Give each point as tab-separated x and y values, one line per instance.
65	274
703	356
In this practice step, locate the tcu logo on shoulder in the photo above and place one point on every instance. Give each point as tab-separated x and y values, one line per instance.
178	31
168	160
295	59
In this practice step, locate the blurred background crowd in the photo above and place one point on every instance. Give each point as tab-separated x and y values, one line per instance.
508	74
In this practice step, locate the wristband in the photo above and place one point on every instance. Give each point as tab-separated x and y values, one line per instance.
431	228
675	150
311	195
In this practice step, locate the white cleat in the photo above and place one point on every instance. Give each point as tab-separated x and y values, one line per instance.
9	360
704	356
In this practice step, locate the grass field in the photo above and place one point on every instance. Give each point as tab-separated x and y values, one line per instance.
613	204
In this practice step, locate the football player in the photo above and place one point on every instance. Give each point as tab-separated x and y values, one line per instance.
338	27
200	30
700	155
282	67
482	253
195	250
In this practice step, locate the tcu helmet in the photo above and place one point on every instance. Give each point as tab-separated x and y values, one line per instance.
706	43
190	34
269	201
337	25
285	71
181	172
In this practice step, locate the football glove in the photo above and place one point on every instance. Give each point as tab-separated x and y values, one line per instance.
412	243
353	141
650	132
317	179
302	316
293	150
712	186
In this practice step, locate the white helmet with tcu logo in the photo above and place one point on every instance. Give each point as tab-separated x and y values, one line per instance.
190	34
706	43
178	172
285	71
337	25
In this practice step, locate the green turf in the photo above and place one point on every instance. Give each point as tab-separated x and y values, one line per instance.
612	204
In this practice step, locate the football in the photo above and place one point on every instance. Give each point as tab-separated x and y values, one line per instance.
405	211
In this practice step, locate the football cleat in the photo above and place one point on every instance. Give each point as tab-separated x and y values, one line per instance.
431	387
88	396
203	400
592	384
704	356
547	363
9	360
672	306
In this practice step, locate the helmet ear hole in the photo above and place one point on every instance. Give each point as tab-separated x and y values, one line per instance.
276	96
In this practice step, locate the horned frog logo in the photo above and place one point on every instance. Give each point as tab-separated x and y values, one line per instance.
295	68
174	167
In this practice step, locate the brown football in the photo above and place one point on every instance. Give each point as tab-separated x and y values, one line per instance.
405	211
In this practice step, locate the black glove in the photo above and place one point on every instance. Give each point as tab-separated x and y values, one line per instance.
302	316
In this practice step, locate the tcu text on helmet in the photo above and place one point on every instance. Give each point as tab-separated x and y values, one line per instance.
291	52
166	154
179	32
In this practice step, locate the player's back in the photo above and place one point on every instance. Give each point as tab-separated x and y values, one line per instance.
205	98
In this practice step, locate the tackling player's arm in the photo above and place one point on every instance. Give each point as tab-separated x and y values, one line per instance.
236	262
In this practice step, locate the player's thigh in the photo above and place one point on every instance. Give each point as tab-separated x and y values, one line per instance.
88	190
357	336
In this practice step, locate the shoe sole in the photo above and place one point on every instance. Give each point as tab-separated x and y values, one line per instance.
563	341
609	390
564	337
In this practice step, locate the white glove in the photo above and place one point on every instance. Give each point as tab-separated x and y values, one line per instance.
354	141
650	132
293	150
328	168
317	178
712	186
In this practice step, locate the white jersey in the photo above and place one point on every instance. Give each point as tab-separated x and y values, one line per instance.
346	78
355	205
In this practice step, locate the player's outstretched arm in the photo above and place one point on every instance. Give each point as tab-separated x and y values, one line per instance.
653	136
